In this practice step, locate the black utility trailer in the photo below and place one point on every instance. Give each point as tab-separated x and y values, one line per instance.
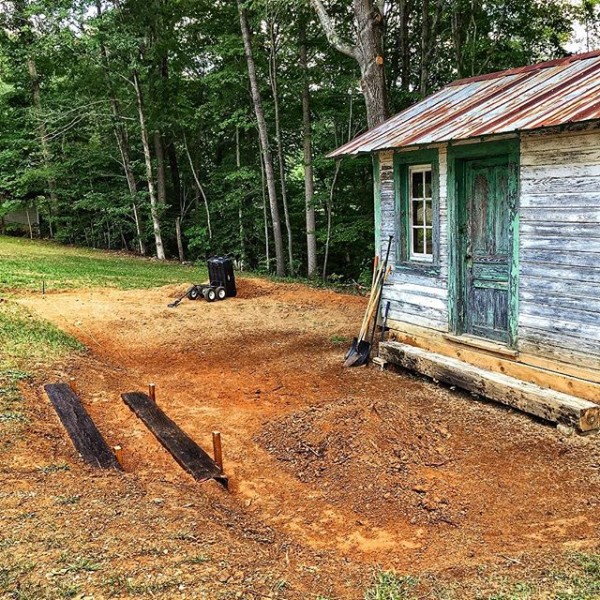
221	282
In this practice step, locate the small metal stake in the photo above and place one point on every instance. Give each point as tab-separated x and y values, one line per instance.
73	384
43	287
217	450
152	391
118	450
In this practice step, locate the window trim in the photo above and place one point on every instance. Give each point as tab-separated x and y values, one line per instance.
419	257
403	161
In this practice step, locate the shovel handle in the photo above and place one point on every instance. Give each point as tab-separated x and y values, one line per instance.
372	299
375	269
374	304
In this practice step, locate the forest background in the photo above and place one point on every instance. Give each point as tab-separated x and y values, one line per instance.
188	128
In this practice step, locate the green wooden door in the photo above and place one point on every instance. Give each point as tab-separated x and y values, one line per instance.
487	249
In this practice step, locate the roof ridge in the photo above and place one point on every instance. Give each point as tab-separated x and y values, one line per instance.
535	67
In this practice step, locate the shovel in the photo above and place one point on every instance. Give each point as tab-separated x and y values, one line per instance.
178	301
361	349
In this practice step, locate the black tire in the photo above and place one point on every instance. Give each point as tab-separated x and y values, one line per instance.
194	293
221	293
210	295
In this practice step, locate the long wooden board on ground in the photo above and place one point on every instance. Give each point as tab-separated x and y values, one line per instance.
83	432
528	397
183	449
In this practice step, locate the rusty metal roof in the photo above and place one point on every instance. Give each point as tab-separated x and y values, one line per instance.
547	94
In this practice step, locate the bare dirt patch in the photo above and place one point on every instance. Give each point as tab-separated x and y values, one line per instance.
329	468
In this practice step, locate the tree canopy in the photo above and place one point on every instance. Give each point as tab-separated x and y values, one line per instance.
131	124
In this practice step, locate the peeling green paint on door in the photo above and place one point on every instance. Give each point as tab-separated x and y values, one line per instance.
483	238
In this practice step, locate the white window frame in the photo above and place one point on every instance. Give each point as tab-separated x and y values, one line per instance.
427	227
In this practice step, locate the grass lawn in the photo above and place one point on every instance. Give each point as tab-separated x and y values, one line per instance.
25	264
26	346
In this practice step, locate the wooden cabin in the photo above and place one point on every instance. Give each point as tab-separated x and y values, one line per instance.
24	220
491	189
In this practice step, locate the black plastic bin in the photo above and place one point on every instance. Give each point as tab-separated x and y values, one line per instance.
220	273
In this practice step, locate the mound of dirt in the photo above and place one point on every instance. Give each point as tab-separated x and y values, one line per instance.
372	457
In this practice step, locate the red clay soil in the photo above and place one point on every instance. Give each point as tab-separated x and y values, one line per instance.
329	467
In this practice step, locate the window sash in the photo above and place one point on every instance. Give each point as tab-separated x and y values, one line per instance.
420	226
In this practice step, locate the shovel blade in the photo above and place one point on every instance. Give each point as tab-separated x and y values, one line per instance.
359	356
352	349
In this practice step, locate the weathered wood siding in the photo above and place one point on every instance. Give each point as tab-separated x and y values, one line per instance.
559	288
416	297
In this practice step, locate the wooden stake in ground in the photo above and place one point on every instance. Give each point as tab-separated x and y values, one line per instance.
152	391
217	449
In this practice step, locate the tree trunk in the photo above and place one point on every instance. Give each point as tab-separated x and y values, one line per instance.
161	183
280	160
367	51
179	240
174	167
154	209
122	140
264	141
199	186
309	183
329	209
265	217
238	164
404	42
428	32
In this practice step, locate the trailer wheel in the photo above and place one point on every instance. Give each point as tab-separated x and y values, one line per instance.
221	293
194	293
210	295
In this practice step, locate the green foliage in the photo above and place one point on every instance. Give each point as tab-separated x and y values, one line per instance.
190	62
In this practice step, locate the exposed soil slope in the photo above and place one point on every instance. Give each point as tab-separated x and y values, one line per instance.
329	468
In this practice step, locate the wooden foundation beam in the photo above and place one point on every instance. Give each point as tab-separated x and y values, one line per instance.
530	398
183	449
81	429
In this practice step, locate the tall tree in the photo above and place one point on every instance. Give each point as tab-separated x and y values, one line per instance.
367	50
264	139
309	178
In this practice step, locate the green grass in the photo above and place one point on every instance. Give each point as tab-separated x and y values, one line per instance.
577	577
389	586
25	264
26	343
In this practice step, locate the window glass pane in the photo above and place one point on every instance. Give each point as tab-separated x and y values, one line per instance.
418	239
428	193
417	212
429	241
428	212
417	185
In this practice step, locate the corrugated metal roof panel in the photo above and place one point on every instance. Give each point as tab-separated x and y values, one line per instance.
533	97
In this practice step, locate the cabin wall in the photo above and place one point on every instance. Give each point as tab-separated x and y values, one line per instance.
559	288
415	298
22	217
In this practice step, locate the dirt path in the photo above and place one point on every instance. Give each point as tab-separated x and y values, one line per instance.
364	466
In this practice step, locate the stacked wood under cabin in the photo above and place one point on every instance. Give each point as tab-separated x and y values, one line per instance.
556	274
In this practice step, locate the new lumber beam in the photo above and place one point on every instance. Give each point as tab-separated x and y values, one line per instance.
83	432
530	398
184	450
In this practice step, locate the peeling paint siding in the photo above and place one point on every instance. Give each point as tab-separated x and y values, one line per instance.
559	290
418	299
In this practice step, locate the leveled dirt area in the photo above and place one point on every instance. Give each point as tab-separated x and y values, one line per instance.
332	471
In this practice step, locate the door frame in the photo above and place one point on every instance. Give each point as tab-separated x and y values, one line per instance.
457	218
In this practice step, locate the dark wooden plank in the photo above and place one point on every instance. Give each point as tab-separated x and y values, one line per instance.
183	449
83	432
